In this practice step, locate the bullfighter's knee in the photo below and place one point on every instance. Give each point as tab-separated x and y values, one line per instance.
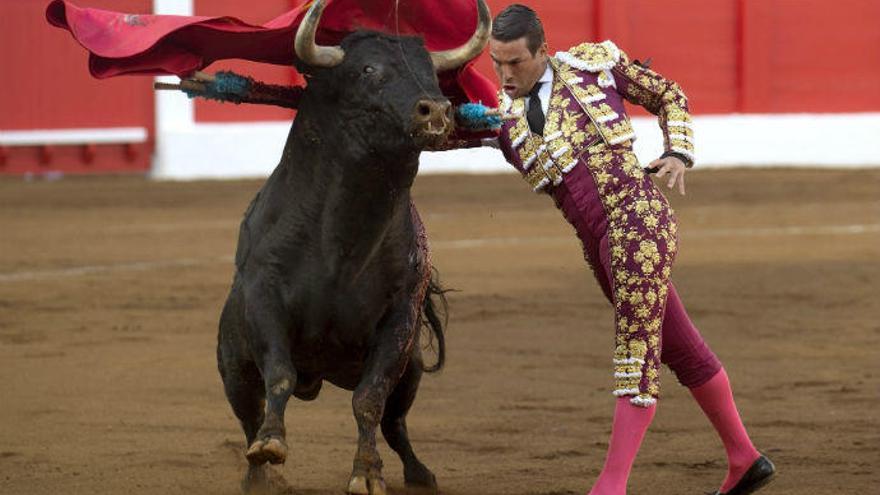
694	369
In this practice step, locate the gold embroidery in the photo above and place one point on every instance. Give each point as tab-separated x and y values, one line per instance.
663	98
545	159
614	128
552	123
569	123
596	56
603	112
641	234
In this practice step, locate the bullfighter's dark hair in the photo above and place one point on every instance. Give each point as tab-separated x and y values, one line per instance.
517	21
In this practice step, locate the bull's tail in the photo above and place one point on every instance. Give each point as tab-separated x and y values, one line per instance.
435	307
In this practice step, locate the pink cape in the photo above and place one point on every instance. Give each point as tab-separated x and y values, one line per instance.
121	43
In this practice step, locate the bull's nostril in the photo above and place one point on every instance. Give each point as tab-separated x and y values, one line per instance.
424	110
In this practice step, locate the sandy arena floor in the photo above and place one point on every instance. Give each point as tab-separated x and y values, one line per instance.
111	288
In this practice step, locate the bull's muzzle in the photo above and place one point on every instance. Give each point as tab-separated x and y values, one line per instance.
432	121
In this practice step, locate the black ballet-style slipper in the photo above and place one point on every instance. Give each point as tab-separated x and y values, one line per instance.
759	474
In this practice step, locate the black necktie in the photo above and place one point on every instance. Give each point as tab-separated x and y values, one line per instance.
535	115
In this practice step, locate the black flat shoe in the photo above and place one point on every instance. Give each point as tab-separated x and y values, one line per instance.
759	474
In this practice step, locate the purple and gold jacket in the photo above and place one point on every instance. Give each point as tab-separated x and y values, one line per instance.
585	161
590	82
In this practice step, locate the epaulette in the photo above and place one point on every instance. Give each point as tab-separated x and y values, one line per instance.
591	57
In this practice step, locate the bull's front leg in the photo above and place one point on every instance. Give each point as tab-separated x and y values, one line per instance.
269	332
384	366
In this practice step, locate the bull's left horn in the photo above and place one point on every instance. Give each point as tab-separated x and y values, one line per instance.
306	49
450	59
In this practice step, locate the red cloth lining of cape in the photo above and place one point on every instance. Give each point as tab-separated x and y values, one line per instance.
120	43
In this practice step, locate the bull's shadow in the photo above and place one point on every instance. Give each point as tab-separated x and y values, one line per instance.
332	271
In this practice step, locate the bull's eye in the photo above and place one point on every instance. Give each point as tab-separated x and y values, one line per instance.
368	69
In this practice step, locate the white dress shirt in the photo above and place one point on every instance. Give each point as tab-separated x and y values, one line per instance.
544	92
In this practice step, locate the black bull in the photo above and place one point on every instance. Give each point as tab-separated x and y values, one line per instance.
332	273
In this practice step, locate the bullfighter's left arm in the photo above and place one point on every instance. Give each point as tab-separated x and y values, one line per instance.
660	96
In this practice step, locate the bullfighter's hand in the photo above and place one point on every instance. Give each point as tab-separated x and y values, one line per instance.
675	168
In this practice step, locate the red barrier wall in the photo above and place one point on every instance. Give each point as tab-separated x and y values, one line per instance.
811	55
754	56
46	85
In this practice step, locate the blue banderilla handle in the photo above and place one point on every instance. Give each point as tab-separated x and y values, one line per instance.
476	116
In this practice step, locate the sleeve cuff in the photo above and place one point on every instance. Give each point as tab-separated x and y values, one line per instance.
681	156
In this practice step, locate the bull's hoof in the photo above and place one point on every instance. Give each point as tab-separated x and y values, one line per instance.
272	450
419	479
361	485
358	486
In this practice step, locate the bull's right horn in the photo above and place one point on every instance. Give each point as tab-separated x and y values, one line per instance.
450	59
306	49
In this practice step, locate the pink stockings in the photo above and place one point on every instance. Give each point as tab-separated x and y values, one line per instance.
716	399
681	348
627	432
631	422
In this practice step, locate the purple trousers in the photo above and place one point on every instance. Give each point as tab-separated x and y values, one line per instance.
580	198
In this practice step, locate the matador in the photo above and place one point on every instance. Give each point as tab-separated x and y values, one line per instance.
567	132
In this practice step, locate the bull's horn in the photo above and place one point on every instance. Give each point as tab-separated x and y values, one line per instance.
306	49
450	59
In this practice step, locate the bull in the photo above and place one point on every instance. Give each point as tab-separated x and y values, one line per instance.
332	275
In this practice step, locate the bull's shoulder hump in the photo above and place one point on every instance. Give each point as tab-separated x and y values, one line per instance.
591	57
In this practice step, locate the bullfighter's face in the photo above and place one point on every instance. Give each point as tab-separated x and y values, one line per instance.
518	69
